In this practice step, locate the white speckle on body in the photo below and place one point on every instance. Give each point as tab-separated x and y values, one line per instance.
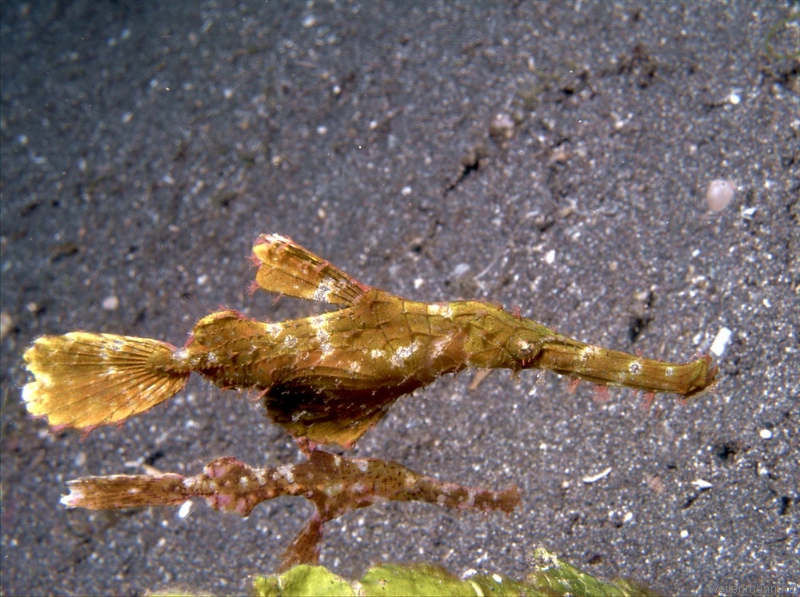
442	309
333	489
284	471
299	415
181	355
635	367
273	330
403	353
471	493
437	347
319	324
322	292
75	497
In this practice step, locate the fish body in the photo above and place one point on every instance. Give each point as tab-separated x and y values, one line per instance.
326	378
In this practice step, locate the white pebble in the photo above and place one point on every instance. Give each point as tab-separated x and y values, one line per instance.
684	534
6	324
460	269
110	303
720	343
702	484
185	509
765	434
719	194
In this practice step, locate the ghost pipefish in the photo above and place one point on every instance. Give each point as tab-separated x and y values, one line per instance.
329	378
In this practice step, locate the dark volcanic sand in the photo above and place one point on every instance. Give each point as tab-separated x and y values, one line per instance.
145	145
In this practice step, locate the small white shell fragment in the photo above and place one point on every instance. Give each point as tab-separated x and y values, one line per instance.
702	484
720	343
595	478
684	534
719	194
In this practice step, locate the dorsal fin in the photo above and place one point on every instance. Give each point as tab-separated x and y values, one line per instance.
289	269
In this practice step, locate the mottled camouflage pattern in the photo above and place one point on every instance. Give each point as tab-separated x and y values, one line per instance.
334	484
